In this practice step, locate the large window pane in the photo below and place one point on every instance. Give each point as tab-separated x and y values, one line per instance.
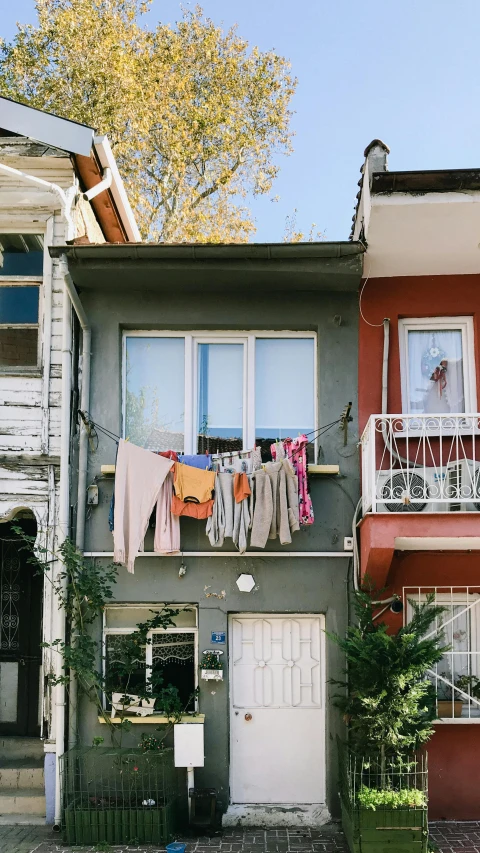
284	388
435	367
18	347
220	397
18	305
155	392
21	254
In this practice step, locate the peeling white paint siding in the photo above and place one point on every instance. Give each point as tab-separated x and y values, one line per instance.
30	406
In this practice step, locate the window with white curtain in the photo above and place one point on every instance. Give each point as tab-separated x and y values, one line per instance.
437	365
219	392
172	651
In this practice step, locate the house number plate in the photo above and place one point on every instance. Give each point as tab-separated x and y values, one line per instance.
218	636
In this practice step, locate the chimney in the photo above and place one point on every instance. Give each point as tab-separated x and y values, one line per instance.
376	156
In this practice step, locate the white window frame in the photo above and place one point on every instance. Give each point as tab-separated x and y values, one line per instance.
248	339
148	648
27	227
468	599
462	324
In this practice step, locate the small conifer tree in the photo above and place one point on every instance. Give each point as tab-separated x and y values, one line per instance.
389	704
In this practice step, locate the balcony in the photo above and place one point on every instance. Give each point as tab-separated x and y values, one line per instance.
420	486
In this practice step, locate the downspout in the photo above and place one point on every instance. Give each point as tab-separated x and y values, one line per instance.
70	298
386	352
58	621
82	475
66	197
104	184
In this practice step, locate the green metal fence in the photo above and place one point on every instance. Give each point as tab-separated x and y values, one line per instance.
118	796
375	827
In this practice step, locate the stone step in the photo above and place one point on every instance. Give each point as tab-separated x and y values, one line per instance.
22	820
21	747
23	801
21	773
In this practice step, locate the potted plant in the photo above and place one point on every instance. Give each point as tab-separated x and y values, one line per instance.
211	665
389	707
470	685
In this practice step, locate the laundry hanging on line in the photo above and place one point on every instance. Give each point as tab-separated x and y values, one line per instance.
270	502
139	477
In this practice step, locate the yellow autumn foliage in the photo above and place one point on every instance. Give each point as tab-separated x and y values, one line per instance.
196	118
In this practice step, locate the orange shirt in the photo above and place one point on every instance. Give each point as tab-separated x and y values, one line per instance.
193	510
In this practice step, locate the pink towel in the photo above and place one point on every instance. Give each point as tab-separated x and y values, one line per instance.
139	477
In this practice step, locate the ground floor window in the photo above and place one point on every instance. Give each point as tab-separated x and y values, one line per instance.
456	678
168	658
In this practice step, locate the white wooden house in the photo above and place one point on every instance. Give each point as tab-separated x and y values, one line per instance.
58	183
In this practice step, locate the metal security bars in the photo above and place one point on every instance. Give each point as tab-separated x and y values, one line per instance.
456	678
118	796
421	463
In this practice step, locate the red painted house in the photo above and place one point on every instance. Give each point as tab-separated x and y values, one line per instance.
419	398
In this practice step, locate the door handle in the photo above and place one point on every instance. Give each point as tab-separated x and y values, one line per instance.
248	717
21	662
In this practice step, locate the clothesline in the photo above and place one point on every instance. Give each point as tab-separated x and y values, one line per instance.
93	426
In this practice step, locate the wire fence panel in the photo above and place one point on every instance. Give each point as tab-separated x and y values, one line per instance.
384	803
118	796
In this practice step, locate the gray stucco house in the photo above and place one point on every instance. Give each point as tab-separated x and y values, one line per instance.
225	347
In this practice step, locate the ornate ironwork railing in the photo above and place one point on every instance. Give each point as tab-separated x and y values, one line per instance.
421	463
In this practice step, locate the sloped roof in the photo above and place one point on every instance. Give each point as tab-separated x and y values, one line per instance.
46	127
91	154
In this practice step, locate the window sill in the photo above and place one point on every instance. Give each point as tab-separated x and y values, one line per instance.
21	371
315	470
455	721
154	719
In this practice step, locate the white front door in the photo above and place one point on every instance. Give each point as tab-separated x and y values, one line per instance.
277	709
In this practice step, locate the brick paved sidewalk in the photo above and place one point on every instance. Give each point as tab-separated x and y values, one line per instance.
446	837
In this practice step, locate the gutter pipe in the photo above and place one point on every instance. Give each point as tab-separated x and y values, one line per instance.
66	197
104	184
82	473
58	617
107	161
70	298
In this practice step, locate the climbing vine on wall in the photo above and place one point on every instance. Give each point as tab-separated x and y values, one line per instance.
82	588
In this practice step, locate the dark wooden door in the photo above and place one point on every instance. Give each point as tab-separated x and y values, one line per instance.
21	593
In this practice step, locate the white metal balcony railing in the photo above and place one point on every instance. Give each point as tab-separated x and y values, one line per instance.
421	463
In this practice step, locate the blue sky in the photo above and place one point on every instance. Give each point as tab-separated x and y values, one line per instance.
407	72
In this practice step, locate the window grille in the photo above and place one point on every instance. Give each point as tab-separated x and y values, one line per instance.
456	678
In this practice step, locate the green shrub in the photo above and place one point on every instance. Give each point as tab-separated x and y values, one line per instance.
371	798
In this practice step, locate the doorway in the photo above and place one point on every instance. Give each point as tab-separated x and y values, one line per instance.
277	709
21	596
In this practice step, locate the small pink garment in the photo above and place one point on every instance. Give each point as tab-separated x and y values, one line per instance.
139	477
296	450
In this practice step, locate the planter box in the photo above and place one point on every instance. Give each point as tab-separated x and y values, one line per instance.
447	709
118	826
212	674
385	830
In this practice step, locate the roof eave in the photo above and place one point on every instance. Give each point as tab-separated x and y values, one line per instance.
117	189
209	251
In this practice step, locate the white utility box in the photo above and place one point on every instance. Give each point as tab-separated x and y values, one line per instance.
188	745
